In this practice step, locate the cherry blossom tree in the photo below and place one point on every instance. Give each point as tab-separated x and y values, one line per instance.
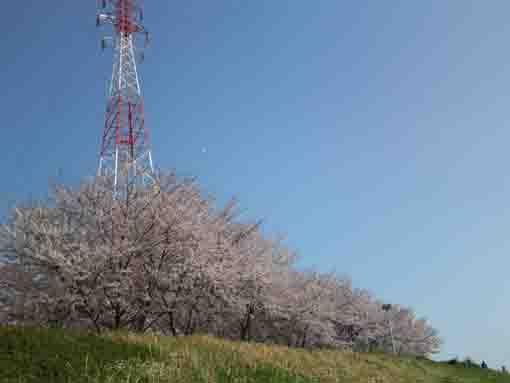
163	257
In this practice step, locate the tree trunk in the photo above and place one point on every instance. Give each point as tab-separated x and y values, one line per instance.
171	323
140	322
303	340
118	317
246	323
189	329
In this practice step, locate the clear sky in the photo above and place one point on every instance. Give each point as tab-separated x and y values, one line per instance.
374	134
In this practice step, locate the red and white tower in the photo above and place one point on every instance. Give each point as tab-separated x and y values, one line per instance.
125	153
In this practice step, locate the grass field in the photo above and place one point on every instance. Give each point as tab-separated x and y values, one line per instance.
33	355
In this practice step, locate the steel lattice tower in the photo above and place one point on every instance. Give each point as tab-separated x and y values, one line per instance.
125	154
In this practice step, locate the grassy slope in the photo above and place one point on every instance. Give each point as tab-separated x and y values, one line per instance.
29	355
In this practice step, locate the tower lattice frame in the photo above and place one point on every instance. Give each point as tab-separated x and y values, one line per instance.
125	154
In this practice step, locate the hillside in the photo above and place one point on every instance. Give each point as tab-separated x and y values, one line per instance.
31	355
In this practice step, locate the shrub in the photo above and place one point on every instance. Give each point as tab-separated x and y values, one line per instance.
453	361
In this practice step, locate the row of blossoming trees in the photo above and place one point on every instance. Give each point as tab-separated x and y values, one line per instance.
163	258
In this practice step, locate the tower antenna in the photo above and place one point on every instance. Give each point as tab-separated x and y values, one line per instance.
125	154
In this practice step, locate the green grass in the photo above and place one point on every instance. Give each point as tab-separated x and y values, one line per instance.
36	355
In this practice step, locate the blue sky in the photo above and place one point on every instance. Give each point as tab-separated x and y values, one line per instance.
374	134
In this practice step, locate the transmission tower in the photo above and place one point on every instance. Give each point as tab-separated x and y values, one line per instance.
125	154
